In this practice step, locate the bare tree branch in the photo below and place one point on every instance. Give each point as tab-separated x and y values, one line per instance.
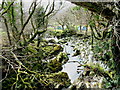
5	11
21	5
97	8
8	33
24	25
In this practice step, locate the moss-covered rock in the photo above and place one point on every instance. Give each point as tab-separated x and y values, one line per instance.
47	49
31	48
60	80
51	50
56	49
54	65
62	41
62	57
51	41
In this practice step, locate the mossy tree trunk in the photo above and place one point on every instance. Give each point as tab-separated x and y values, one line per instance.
116	48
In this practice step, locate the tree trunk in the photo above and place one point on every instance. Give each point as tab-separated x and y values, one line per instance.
116	48
97	8
109	15
116	53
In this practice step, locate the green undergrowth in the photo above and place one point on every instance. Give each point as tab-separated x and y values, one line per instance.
35	67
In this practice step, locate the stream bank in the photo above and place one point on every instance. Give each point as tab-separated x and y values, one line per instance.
76	53
80	54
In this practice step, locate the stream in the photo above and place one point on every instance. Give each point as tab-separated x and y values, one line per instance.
71	67
74	61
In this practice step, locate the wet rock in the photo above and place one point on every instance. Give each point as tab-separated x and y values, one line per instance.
68	53
51	41
73	87
82	87
62	41
51	51
61	80
62	58
76	53
66	43
54	65
72	45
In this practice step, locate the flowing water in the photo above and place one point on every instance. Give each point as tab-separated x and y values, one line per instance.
71	67
74	61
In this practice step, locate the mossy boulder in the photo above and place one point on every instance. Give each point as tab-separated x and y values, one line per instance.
51	41
47	49
51	50
62	41
54	65
60	80
62	57
56	49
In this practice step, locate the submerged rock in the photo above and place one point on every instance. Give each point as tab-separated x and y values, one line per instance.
76	53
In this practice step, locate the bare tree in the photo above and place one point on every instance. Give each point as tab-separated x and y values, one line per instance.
16	23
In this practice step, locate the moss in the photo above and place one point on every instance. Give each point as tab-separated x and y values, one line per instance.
31	49
56	49
52	41
54	65
62	57
97	69
51	50
48	49
61	79
62	41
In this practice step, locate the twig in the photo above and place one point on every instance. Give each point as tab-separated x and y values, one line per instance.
24	25
5	11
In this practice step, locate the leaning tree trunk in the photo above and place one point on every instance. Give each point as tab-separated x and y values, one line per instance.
116	51
116	47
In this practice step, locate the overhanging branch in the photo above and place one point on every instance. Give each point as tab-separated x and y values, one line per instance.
97	8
